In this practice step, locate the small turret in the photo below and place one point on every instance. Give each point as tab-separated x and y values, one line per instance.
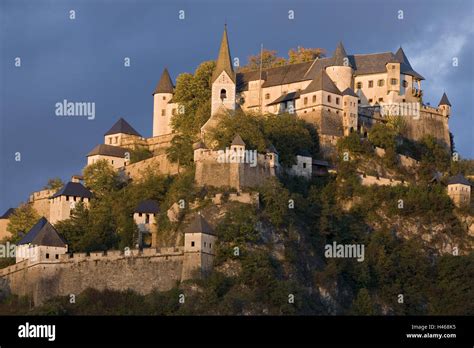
445	105
162	96
340	69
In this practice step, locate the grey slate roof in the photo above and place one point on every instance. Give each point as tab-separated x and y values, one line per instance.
224	62
238	141
7	214
361	63
458	179
271	149
339	57
322	82
285	97
165	85
350	91
199	225
73	189
43	233
148	206
405	66
304	153
199	145
444	100
108	150
122	126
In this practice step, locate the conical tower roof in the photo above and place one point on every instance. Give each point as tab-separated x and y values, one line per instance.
165	85
340	56
444	100
224	62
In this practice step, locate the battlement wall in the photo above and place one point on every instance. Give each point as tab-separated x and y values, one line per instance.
142	272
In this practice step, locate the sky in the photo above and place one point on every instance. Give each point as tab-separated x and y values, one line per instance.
82	60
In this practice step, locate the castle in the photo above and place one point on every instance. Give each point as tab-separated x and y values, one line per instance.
338	95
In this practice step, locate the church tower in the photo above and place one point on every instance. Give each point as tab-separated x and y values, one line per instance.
340	70
223	79
162	112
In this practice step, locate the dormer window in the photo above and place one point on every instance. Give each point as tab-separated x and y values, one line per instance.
223	94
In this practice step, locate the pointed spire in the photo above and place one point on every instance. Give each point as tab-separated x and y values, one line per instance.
340	56
165	85
444	100
224	62
238	141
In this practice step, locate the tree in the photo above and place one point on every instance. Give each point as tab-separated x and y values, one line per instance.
268	58
74	228
101	178
383	136
301	54
21	221
363	304
54	184
193	94
181	150
140	153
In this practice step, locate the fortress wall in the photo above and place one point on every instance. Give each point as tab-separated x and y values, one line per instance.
142	274
216	174
430	122
158	164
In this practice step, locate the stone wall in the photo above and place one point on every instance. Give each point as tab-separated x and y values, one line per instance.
158	164
159	269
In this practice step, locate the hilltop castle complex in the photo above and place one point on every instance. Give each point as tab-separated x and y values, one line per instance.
338	95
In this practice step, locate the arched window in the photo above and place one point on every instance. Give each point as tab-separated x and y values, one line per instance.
223	94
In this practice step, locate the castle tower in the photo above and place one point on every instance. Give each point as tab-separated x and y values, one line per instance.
223	79
237	147
350	111
199	246
340	70
445	105
459	190
161	113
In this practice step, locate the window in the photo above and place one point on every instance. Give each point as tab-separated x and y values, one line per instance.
147	218
345	103
393	66
329	98
337	100
314	99
370	100
223	94
305	100
192	243
164	98
267	96
380	99
380	83
304	165
210	245
116	140
405	84
112	161
205	244
371	84
140	214
110	140
163	112
359	85
393	81
47	255
56	256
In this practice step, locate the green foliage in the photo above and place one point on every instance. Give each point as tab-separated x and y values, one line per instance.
363	304
139	153
354	145
383	136
21	221
193	94
275	199
181	150
238	226
54	184
101	178
288	134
